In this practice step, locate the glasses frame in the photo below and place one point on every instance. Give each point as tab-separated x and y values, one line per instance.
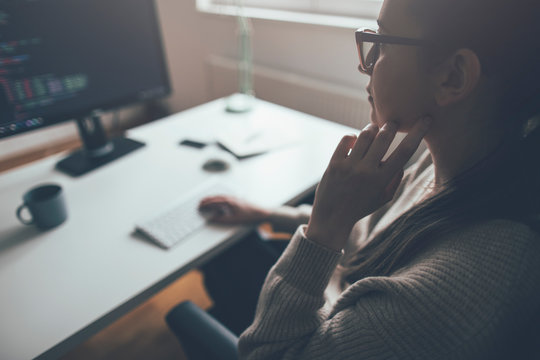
367	35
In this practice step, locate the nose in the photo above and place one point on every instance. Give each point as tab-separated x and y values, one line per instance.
367	72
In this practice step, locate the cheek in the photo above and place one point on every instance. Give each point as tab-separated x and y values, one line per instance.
399	93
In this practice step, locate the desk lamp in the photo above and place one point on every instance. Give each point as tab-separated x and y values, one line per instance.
243	100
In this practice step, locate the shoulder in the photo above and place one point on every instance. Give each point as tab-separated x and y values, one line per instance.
501	241
492	267
486	264
470	288
492	248
502	229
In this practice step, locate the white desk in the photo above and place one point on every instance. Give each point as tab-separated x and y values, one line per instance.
60	287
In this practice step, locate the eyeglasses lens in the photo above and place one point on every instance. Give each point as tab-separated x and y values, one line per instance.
370	52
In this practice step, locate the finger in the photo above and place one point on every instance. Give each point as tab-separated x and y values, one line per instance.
215	199
343	148
403	152
224	215
207	200
216	213
364	141
213	205
224	219
394	184
216	218
381	143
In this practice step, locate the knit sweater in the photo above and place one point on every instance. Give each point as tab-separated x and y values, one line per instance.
469	295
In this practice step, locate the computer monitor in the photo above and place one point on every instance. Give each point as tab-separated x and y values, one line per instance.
73	59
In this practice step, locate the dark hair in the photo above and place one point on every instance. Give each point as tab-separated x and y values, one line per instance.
504	185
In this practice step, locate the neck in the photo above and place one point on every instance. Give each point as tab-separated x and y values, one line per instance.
456	145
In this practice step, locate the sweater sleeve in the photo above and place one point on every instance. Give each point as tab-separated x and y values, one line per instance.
290	321
462	299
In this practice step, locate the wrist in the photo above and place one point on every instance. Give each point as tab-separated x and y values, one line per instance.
332	240
265	214
262	215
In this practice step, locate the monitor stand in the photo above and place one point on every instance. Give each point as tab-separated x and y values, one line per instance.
97	149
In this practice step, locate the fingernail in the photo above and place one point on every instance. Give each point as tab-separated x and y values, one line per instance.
369	126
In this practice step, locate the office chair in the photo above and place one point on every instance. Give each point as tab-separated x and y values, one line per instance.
202	337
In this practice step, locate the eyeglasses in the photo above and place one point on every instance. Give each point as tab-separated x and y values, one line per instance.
369	43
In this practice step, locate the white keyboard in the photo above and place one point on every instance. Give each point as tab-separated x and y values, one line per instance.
181	219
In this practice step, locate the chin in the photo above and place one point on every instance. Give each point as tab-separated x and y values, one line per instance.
375	119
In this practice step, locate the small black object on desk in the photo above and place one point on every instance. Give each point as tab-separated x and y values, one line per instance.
215	165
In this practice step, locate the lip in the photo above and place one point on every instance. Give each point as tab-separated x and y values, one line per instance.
370	97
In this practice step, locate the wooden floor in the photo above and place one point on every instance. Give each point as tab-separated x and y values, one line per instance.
143	333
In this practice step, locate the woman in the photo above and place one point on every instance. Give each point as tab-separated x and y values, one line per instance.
442	262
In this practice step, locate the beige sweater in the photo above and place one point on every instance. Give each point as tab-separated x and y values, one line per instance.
458	299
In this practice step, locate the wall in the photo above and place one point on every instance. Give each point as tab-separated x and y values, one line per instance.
192	38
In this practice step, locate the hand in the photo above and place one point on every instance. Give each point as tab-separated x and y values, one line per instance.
230	210
356	184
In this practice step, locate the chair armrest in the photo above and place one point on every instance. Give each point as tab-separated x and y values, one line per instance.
201	336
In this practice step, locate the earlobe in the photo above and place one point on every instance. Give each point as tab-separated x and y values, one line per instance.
457	77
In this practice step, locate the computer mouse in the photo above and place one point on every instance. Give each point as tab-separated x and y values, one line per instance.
216	165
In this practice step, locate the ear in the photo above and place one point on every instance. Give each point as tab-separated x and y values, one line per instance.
457	77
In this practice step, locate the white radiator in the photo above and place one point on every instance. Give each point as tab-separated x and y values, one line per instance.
337	103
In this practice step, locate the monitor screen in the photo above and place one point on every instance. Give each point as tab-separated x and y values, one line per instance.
62	59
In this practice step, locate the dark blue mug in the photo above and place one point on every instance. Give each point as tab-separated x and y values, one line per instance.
46	206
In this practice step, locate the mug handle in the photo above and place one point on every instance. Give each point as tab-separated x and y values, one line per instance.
21	219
